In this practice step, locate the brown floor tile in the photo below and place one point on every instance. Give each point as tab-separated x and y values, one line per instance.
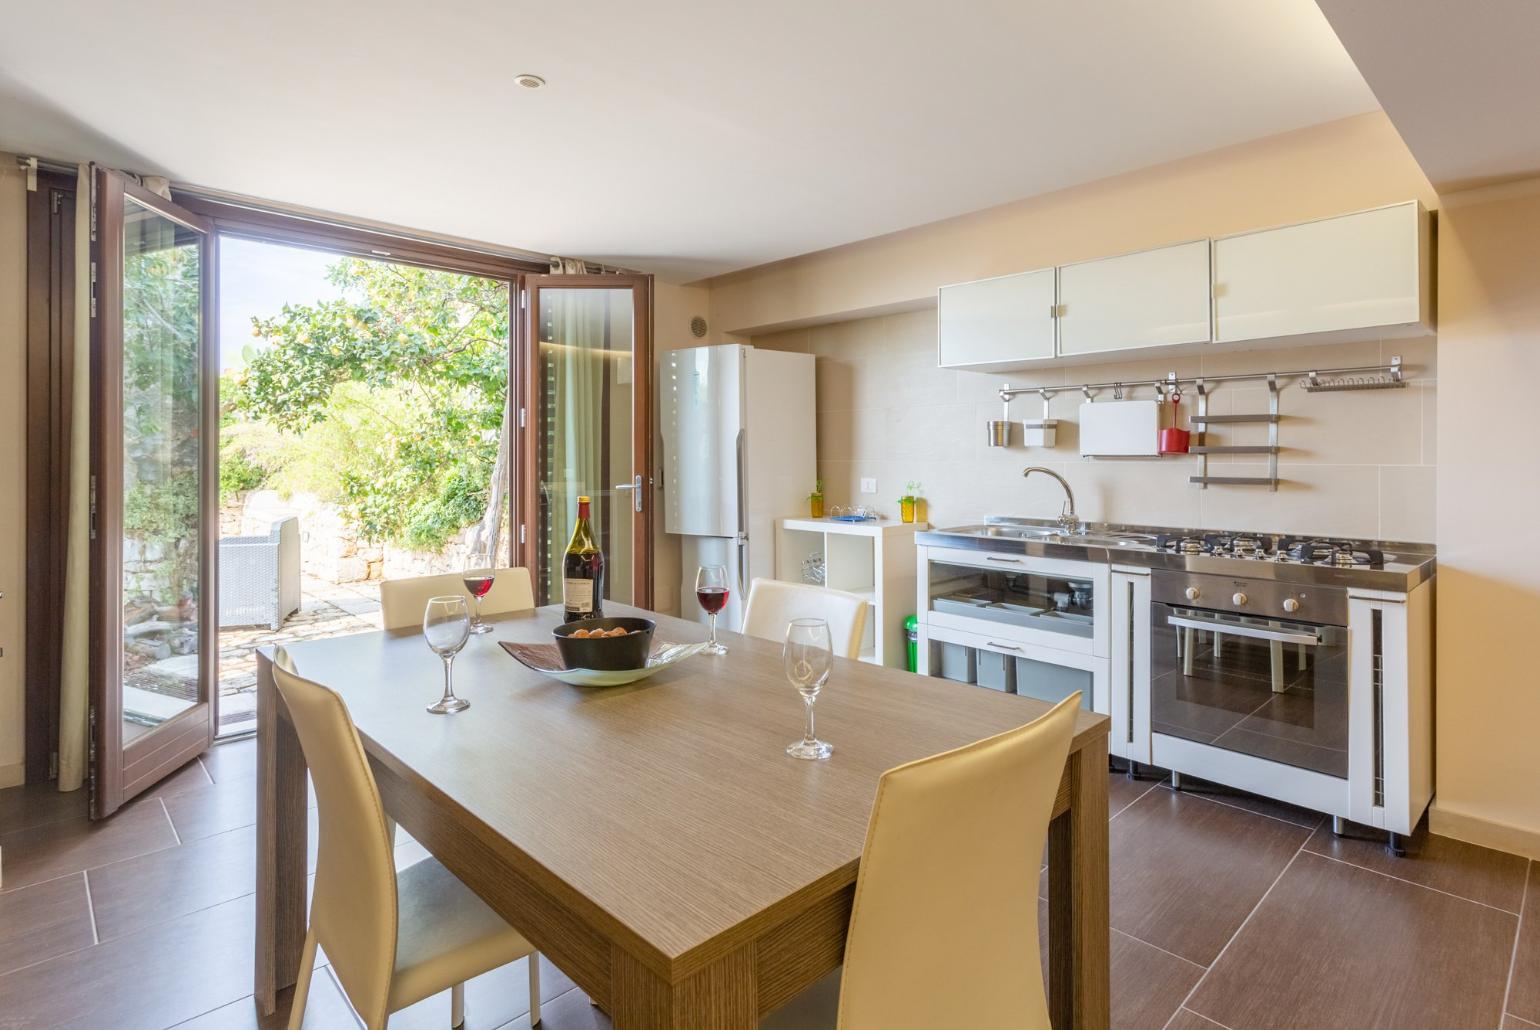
156	978
217	807
68	846
1250	802
1186	871
1186	1019
36	803
232	761
1443	863
44	920
1147	984
570	1011
1122	791
1512	1022
139	892
325	1009
1374	952
192	776
1524	993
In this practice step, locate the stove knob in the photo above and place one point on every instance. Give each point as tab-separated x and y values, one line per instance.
1290	604
1238	599
1191	593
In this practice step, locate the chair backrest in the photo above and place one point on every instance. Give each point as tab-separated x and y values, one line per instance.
944	929
402	600
773	604
353	908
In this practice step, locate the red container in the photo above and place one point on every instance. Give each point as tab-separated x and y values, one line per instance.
1174	440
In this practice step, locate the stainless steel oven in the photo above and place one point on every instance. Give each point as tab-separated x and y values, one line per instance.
1253	667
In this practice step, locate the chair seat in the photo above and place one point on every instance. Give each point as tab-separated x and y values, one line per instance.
445	935
816	1008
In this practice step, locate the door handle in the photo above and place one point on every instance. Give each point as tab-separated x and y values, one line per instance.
636	497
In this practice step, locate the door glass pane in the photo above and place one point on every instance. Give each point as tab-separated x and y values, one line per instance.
586	342
162	546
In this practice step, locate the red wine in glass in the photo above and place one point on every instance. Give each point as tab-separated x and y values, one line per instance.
711	592
478	577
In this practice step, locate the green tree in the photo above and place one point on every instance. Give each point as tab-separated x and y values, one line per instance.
425	352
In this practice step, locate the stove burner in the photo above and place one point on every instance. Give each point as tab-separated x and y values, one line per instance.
1336	553
1251	547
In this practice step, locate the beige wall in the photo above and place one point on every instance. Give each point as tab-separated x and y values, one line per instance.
673	307
13	470
1488	510
1341	166
1353	464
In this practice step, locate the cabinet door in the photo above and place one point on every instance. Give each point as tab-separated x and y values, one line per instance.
1359	271
996	324
1129	644
1155	298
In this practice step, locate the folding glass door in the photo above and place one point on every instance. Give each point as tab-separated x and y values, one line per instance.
152	491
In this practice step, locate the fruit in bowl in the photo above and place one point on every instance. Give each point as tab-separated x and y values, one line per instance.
620	643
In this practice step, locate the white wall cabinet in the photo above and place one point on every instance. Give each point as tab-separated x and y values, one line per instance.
995	324
1370	270
1154	298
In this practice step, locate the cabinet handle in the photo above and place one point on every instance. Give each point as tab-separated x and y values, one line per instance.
1003	647
1008	561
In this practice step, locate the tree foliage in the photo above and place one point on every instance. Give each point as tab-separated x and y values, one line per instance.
416	362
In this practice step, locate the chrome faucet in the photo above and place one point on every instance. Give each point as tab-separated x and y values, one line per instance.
1067	519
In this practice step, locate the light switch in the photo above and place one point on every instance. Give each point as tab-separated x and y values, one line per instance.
868	486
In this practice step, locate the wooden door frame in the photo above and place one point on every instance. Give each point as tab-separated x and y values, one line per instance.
119	772
642	419
50	397
251	223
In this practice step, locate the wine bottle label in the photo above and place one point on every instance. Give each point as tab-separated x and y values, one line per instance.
578	595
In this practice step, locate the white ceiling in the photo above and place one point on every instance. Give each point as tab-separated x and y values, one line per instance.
1458	81
684	137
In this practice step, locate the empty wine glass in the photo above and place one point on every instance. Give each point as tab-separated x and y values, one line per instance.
479	576
446	625
808	658
711	592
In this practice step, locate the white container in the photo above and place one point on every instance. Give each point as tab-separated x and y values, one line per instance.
1039	432
1119	429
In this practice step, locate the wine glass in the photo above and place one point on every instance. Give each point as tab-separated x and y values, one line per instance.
479	577
808	658
446	625
711	592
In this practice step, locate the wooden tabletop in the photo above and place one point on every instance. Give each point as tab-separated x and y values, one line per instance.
666	811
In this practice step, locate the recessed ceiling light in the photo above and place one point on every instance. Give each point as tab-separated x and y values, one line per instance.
530	81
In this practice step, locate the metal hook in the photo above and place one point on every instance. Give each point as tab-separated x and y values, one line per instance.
1117	391
1087	391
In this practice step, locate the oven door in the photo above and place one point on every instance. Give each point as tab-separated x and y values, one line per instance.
1262	688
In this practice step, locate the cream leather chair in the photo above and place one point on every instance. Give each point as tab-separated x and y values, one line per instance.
402	600
393	938
773	604
944	929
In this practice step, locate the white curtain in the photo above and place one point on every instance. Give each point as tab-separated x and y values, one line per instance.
74	672
572	365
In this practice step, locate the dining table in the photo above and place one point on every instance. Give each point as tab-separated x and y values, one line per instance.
654	840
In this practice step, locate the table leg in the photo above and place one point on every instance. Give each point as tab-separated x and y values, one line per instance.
1079	981
281	844
722	996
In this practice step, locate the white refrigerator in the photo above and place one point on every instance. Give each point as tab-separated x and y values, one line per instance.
739	451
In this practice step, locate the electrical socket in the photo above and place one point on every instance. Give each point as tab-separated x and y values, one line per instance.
868	486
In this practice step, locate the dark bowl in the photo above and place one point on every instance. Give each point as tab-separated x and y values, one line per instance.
605	653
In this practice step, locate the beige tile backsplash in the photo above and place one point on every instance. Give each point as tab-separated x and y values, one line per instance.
1352	464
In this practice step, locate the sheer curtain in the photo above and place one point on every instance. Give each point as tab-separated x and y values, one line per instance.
74	670
572	353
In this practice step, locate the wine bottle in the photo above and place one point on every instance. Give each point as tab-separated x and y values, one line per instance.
583	571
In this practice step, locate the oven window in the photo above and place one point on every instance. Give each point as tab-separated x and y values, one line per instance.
1053	604
1263	687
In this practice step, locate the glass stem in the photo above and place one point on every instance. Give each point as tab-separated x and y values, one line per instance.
807	732
713	629
449	690
478	610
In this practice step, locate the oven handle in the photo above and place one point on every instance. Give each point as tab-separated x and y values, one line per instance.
1215	626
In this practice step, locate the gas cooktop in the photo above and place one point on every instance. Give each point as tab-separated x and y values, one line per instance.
1275	548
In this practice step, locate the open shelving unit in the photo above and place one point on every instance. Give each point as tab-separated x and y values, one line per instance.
874	559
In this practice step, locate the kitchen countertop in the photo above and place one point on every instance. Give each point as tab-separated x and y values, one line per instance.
1406	564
